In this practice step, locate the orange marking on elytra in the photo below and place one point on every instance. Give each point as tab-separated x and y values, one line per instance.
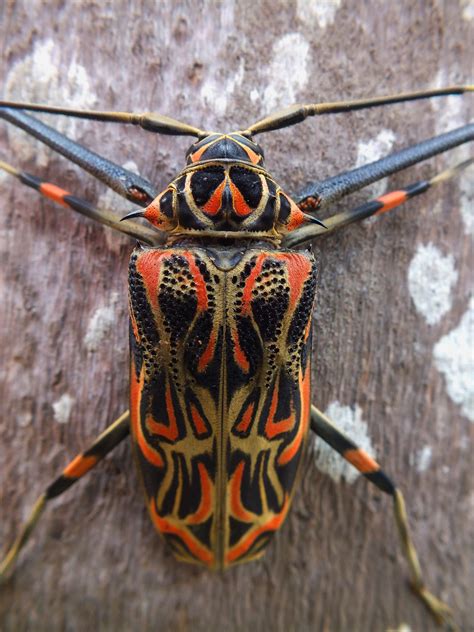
272	525
165	526
291	450
133	322
79	466
298	268
136	389
214	203
247	417
274	428
170	431
199	282
237	509
149	265
199	423
205	506
249	285
391	200
361	461
54	193
305	394
208	353
239	354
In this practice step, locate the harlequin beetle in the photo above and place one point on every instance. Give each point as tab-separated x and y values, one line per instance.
220	330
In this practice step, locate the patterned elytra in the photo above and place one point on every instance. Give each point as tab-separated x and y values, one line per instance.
220	332
220	382
224	188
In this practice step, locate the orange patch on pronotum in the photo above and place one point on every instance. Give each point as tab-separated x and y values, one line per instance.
212	206
240	205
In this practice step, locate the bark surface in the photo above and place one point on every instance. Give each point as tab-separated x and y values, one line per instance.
95	562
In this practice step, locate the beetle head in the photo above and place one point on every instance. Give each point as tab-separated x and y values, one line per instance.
234	146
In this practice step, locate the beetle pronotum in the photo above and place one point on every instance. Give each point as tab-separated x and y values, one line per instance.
220	305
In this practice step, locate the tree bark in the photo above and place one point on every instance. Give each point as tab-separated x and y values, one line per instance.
95	561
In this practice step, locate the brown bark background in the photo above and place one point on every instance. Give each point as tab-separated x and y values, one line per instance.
95	562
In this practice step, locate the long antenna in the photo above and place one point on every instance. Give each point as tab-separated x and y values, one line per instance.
299	112
148	120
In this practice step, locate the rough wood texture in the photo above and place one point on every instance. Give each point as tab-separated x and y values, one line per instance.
95	561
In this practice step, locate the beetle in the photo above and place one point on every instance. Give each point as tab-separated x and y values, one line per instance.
220	333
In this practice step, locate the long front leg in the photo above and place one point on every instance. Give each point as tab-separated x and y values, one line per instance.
66	199
76	469
318	195
324	428
129	185
377	206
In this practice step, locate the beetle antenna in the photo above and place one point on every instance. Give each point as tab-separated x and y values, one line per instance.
149	121
299	112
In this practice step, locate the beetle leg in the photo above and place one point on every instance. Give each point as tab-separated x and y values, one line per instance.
318	195
377	206
75	470
124	182
323	427
64	198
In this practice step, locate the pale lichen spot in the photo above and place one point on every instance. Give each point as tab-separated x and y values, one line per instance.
287	71
349	421
454	358
322	12
421	460
254	95
449	113
62	408
5	180
216	93
431	277
24	419
100	324
467	10
57	81
374	149
466	200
